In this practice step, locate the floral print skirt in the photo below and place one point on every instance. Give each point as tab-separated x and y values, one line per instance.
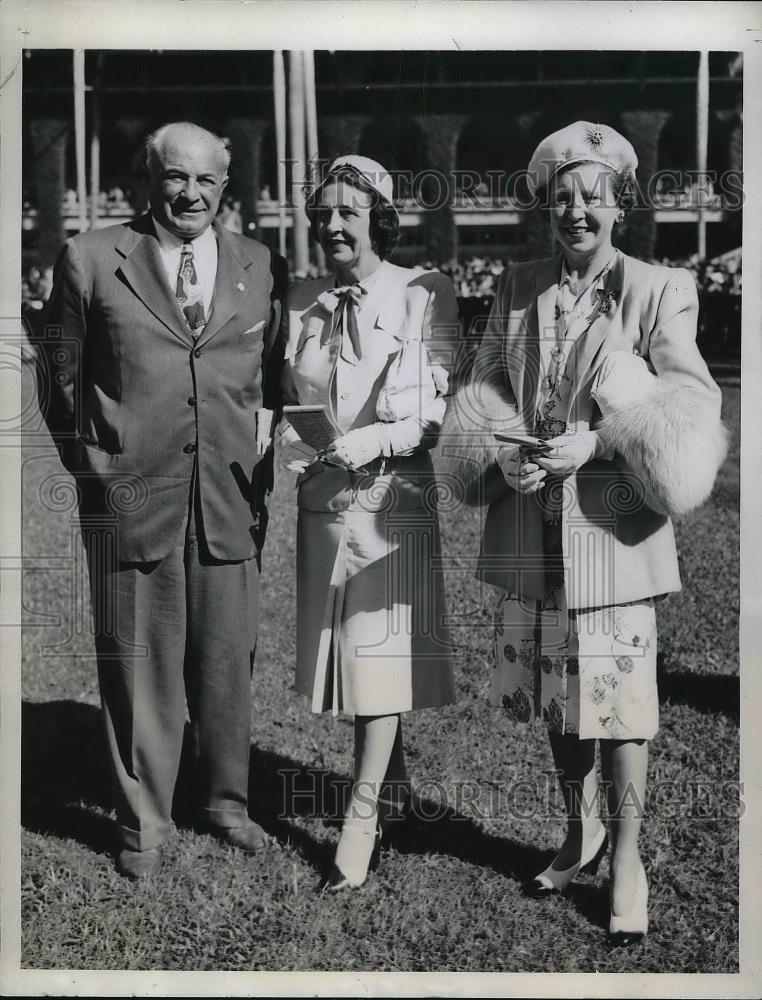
590	673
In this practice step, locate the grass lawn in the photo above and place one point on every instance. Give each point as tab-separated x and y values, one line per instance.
446	896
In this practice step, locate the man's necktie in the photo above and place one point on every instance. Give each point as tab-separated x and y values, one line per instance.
343	301
188	291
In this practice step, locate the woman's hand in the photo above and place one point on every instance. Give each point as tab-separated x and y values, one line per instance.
293	454
522	474
357	447
570	452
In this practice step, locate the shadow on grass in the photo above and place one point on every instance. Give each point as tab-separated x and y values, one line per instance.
283	792
591	901
66	792
460	837
704	692
64	773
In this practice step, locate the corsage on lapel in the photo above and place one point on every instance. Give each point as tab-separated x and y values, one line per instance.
607	300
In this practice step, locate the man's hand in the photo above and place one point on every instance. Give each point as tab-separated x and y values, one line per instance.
570	452
293	454
358	447
522	474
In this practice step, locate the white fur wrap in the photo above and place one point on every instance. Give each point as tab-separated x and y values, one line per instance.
467	446
669	435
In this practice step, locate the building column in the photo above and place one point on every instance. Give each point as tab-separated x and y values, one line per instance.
536	235
437	188
132	133
637	234
340	135
735	146
732	217
247	137
49	140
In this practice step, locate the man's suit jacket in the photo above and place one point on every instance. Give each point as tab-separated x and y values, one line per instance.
132	400
616	548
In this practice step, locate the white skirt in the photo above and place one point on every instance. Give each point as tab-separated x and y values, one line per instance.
371	632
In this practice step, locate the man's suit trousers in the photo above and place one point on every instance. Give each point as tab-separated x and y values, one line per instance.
180	629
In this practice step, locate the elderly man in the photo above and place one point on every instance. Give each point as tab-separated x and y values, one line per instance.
161	362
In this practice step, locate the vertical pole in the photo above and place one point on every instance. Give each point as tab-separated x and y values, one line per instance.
50	137
702	142
299	160
79	134
279	95
313	156
95	145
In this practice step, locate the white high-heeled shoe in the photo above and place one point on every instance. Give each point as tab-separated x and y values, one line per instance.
553	880
633	925
354	856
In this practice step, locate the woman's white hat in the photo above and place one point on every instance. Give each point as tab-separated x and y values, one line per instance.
377	176
582	142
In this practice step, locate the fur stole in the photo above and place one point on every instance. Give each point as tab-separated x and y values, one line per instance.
670	435
467	451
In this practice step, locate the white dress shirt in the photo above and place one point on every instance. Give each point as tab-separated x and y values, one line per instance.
204	260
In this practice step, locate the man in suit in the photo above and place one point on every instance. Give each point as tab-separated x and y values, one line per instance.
161	356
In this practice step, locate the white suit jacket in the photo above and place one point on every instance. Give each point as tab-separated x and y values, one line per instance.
616	548
398	298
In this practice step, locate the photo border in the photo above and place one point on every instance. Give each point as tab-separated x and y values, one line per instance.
332	24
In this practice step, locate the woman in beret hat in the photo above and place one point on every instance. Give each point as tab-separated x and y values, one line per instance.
593	352
370	608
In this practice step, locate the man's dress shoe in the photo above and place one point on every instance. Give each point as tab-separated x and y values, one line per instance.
250	838
138	864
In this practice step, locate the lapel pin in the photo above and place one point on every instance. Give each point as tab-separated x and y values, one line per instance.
240	286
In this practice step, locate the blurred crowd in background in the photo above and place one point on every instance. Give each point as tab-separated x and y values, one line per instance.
474	277
478	276
475	280
668	193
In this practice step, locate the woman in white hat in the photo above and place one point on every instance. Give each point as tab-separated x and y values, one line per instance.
368	345
593	352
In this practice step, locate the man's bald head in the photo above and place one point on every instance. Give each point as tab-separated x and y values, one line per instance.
184	133
188	170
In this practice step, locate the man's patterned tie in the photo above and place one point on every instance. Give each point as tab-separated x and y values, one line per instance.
188	291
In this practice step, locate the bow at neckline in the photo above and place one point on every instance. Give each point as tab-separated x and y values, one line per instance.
342	302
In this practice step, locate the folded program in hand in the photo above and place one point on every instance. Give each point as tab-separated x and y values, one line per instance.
312	424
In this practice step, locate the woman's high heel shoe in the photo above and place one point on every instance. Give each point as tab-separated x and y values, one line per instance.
551	880
358	853
336	880
632	926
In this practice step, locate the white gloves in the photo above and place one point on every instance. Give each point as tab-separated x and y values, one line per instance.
292	454
570	452
521	475
358	447
525	474
264	430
